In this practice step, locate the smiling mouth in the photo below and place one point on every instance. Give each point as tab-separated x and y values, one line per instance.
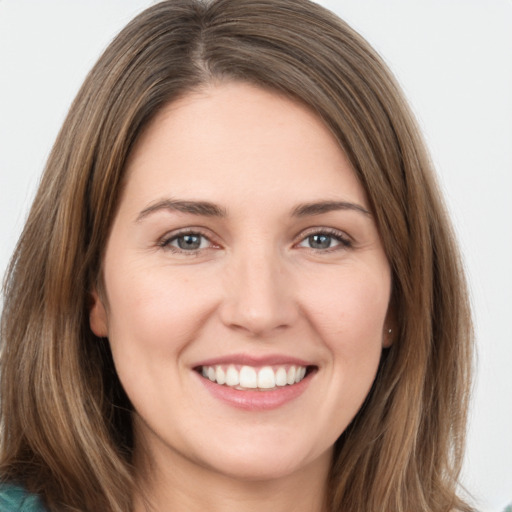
265	378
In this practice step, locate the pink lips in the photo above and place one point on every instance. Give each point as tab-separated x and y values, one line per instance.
255	400
256	361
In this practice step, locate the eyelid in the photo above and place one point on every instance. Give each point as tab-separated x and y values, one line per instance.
345	240
164	241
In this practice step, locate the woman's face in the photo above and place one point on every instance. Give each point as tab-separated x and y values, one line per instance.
246	288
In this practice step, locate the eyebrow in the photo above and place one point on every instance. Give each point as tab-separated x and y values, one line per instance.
320	207
203	208
207	209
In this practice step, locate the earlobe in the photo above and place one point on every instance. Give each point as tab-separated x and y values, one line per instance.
390	324
98	316
387	338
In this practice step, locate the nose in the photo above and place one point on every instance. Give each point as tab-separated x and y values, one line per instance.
259	295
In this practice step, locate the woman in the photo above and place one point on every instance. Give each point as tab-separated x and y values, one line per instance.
237	286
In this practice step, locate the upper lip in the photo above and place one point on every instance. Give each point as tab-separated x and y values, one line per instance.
254	360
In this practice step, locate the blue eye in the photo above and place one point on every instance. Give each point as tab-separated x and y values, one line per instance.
323	240
187	242
320	241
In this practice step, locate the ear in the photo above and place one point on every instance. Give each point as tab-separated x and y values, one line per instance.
390	329
387	336
98	316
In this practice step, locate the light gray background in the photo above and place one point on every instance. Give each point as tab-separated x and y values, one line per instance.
454	60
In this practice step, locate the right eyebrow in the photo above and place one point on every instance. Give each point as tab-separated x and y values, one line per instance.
321	207
203	208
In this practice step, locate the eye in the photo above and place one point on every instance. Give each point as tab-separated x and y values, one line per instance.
325	240
186	242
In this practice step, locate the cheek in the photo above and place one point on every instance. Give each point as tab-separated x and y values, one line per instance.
153	313
347	310
152	319
350	310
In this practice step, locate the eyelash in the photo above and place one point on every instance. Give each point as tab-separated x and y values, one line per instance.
343	241
340	237
165	242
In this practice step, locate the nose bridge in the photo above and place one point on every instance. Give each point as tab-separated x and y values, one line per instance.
259	294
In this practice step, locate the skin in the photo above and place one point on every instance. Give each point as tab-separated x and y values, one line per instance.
258	284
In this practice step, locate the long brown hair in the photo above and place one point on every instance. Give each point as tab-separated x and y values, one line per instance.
65	420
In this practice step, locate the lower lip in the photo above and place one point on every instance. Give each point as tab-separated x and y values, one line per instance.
256	400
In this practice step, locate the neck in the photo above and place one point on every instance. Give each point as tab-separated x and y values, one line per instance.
181	485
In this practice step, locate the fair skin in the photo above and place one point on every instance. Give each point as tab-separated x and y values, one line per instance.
243	239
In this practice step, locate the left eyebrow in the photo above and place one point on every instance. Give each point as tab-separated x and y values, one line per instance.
320	207
203	208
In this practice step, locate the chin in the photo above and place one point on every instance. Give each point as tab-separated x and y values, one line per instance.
263	462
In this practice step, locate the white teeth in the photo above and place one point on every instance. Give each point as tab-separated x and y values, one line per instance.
221	375
266	378
281	376
248	377
232	376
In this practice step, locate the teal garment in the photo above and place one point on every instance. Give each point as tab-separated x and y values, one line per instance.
16	499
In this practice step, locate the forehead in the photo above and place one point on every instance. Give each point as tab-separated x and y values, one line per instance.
236	138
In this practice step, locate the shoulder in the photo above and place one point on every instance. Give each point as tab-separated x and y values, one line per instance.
16	499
